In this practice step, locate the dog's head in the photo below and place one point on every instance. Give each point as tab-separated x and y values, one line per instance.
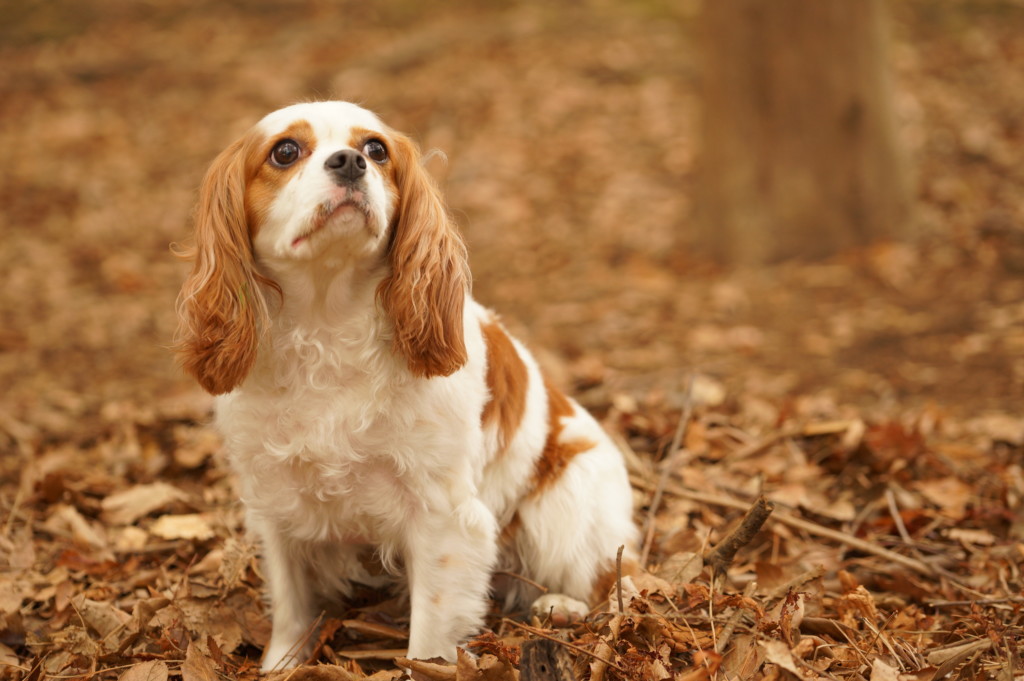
323	185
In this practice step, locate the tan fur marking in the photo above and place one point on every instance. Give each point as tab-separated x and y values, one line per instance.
506	381
358	137
557	454
265	180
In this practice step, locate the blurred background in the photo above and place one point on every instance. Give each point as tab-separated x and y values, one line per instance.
808	208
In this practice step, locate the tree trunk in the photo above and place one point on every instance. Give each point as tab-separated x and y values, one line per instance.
799	151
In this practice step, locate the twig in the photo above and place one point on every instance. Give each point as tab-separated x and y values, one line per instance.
721	557
521	578
894	511
667	465
618	574
373	653
311	630
93	673
808	526
764	443
583	651
983	601
431	670
18	494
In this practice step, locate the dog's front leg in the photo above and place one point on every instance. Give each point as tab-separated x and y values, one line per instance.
449	559
291	603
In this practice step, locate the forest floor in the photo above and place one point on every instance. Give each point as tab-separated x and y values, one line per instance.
875	399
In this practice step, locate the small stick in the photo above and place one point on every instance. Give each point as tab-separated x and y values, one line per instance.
618	581
521	578
894	511
983	601
431	670
808	526
584	651
721	557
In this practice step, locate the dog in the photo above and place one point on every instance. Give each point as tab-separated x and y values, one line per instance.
368	402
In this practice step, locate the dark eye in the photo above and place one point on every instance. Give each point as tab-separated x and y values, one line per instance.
285	153
376	150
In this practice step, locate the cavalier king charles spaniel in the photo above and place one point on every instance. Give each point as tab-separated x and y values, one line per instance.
369	404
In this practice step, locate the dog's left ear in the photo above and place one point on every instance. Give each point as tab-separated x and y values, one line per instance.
425	292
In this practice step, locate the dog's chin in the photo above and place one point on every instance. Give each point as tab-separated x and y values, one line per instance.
330	223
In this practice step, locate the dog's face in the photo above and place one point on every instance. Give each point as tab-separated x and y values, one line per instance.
327	182
315	187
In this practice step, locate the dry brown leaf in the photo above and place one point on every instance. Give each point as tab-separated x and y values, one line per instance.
153	670
124	508
14	590
186	526
67	521
779	653
681	568
103	618
429	670
1000	427
8	658
197	666
881	671
949	494
855	604
321	672
968	536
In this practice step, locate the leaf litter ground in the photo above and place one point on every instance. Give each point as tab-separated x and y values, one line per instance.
874	399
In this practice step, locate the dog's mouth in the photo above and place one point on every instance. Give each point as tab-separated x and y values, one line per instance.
346	208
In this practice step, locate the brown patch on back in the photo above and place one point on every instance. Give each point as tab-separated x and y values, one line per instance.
608	577
557	454
506	381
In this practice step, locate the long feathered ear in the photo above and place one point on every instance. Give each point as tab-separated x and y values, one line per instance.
425	291
221	306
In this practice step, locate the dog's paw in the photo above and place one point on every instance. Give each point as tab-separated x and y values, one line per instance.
560	609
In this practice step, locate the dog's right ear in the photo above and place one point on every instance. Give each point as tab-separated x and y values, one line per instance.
221	307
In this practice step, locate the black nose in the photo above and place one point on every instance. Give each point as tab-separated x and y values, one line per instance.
347	164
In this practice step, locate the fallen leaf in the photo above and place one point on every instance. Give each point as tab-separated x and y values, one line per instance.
949	494
8	658
969	536
154	670
197	666
880	671
124	508
999	427
187	526
321	672
779	653
103	618
67	521
681	568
